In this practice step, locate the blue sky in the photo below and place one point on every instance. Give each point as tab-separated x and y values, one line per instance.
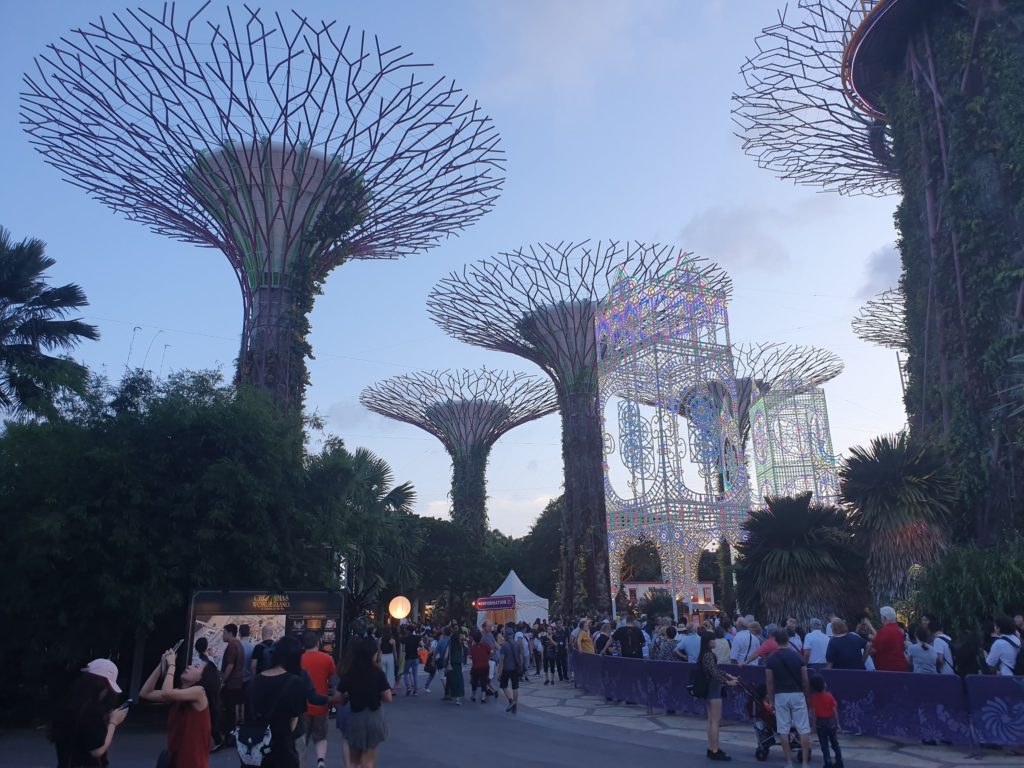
615	117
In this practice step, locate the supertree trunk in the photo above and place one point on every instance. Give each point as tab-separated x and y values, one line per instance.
584	570
956	108
469	491
274	345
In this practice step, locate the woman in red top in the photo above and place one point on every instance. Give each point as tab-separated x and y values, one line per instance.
480	657
194	707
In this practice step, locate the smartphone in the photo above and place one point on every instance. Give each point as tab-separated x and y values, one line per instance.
128	704
177	645
163	662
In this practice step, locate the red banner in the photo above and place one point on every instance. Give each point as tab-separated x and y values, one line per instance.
495	603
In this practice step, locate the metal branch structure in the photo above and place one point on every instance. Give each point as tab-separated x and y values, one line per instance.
540	302
793	113
883	321
289	145
668	393
920	96
467	411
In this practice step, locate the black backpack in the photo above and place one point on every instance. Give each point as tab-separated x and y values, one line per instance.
263	653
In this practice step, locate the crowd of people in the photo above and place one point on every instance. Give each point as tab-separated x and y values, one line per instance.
273	697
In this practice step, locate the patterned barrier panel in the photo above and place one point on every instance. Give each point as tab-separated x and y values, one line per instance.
901	704
894	704
997	709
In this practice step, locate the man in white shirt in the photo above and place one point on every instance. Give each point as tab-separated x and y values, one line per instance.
828	623
941	641
744	645
815	646
1003	655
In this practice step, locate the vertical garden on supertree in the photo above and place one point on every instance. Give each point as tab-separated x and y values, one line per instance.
925	97
288	145
467	411
540	302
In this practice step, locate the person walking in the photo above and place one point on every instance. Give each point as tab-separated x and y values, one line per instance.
388	654
479	667
232	675
509	667
561	650
411	668
365	688
320	668
710	682
278	700
826	722
84	726
788	692
456	686
550	651
193	715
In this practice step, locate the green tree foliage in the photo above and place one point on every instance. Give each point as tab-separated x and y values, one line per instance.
726	578
641	562
970	584
539	552
798	560
901	498
135	495
34	319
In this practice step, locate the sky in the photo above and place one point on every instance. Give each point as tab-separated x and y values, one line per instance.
615	120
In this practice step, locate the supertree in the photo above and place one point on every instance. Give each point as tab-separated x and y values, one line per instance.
540	302
467	411
290	146
883	321
931	91
782	368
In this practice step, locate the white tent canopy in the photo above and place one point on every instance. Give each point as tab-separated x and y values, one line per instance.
529	607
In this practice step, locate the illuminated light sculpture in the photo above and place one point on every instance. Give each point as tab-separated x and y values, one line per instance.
783	409
467	411
936	85
288	145
792	445
883	321
540	302
668	392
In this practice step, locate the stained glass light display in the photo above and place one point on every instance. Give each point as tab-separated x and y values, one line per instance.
793	445
668	394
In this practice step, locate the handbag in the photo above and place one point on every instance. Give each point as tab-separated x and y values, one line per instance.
699	684
252	740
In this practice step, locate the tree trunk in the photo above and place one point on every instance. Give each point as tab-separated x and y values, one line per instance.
584	579
469	491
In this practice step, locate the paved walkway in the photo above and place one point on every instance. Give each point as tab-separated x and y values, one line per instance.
557	726
565	701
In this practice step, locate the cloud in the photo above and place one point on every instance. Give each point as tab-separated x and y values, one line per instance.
566	48
350	415
883	272
532	465
737	237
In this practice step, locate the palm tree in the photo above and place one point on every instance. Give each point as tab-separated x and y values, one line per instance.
901	499
382	532
797	560
33	321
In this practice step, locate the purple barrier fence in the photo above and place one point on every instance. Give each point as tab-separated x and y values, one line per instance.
997	709
901	704
895	704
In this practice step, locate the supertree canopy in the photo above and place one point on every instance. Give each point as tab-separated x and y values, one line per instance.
540	302
938	83
290	146
782	368
467	411
883	320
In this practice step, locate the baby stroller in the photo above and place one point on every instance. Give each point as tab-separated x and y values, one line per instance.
763	719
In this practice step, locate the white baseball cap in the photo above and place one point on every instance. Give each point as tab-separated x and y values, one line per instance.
104	668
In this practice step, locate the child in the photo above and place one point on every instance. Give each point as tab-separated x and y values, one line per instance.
826	721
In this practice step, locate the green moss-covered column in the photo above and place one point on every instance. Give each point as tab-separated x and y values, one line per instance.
957	115
469	491
583	575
